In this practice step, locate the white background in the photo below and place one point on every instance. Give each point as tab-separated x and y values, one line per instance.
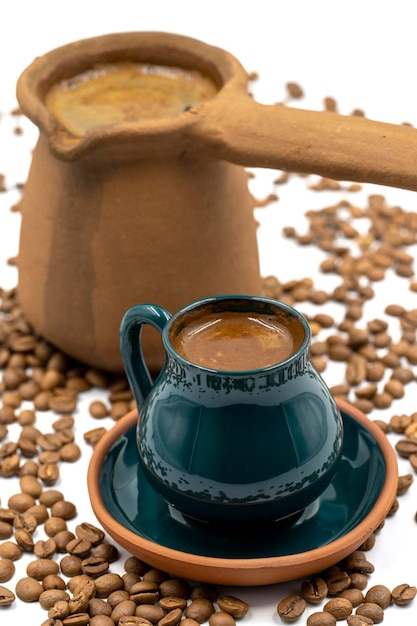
361	53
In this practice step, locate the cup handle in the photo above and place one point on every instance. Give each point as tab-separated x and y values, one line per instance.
131	348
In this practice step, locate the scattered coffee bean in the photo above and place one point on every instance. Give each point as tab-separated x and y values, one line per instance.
291	608
403	594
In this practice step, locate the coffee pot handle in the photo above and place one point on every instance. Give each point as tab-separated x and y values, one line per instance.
131	326
353	148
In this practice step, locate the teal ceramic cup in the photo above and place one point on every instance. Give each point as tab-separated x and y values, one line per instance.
244	441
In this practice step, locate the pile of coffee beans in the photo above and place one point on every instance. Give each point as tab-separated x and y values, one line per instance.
341	592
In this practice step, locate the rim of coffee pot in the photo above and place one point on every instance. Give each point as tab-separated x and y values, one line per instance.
159	48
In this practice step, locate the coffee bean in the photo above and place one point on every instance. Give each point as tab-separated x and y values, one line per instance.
175	587
371	610
406	447
45	549
171	602
403	594
48	598
107	583
337	582
7	570
94	566
7	597
106	551
70	565
321	619
63	509
42	567
150	612
98	606
77	619
314	590
355	596
28	589
234	606
200	609
10	550
124	608
291	608
90	533
379	594
171	619
340	608
6	530
359	620
133	620
133	565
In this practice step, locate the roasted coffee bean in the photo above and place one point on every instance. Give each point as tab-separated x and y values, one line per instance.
59	610
379	594
70	565
124	608
45	549
321	619
98	606
235	606
54	525
117	596
10	550
359	620
150	612
20	502
79	547
220	618
403	594
133	565
7	570
133	620
199	609
89	533
53	581
6	530
291	608
24	539
175	587
61	539
355	596
25	521
204	591
49	496
314	590
144	592
94	566
106	551
31	485
371	610
28	589
404	483
337	582
64	509
171	619
170	602
340	608
357	562
107	583
77	619
7	597
155	576
48	598
41	568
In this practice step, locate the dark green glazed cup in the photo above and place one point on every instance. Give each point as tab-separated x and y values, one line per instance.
232	447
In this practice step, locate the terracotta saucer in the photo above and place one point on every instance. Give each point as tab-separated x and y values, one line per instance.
351	508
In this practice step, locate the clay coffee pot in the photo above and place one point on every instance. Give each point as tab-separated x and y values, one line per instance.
120	209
